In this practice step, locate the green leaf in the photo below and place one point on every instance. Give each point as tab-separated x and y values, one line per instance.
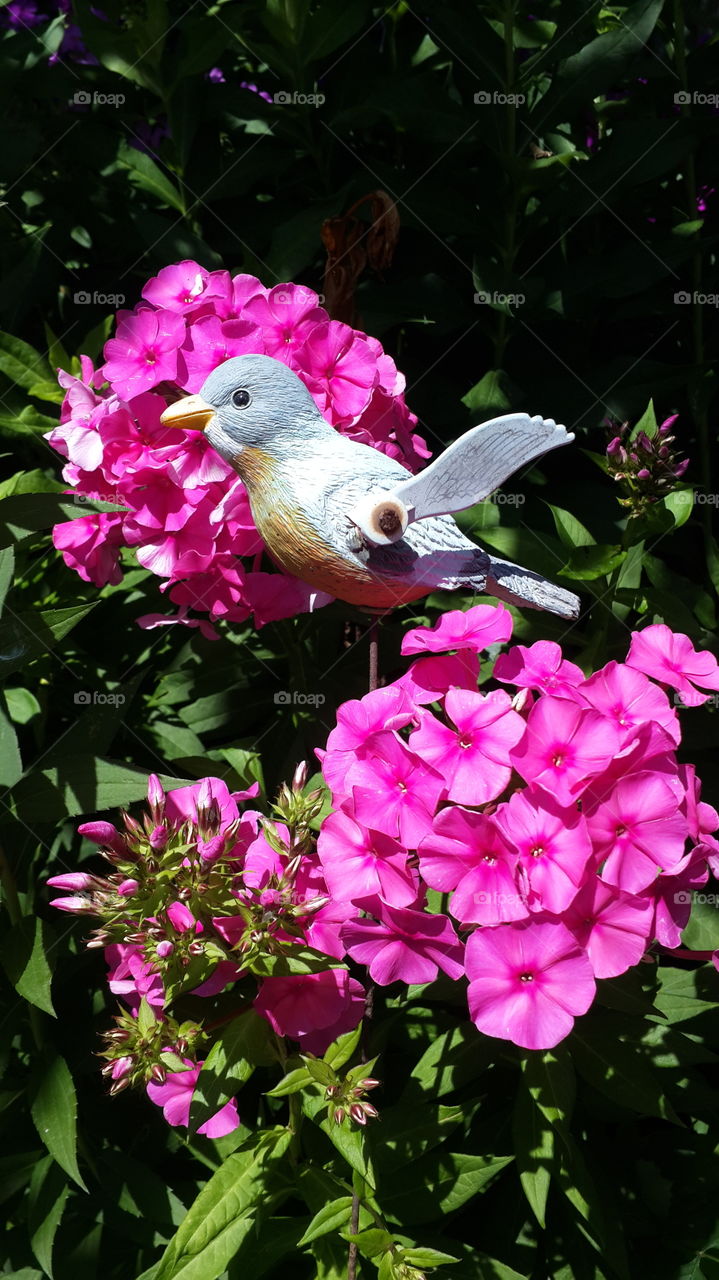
534	1151
570	530
7	569
225	1211
551	1081
331	1217
22	705
54	1112
647	423
349	1141
702	930
586	563
341	1050
292	959
617	1070
295	1080
680	505
10	760
23	952
686	993
601	62
21	363
82	784
319	1070
26	636
409	1130
438	1184
371	1242
427	1257
490	396
241	1046
48	1192
451	1060
150	177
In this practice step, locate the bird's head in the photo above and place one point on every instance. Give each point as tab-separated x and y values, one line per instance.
249	402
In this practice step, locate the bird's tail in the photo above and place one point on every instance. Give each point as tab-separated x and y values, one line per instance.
528	590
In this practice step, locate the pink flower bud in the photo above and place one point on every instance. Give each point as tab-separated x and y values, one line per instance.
614	448
667	424
77	906
644	474
339	1115
158	1073
369	1083
155	797
357	1113
127	888
75	881
211	850
121	1067
681	468
299	777
165	948
103	833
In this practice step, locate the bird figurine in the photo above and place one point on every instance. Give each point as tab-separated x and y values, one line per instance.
347	519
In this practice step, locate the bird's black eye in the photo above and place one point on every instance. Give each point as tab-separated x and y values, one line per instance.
241	398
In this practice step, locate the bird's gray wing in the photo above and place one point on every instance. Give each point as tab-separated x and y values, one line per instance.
473	467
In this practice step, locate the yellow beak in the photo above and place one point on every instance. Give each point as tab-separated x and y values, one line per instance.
192	413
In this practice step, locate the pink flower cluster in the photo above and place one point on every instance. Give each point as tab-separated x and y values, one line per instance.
534	838
197	894
187	515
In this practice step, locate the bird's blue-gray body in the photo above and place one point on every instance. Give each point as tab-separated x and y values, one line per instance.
304	480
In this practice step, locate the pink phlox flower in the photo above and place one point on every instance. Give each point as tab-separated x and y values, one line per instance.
670	657
211	341
358	721
613	927
360	863
91	546
404	945
475	629
466	852
428	679
144	351
341	370
672	896
182	803
639	829
542	666
312	1008
185	286
285	317
473	753
132	977
175	1098
528	982
394	791
552	844
564	746
629	698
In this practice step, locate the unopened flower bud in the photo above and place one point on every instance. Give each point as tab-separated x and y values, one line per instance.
127	888
357	1113
165	949
643	474
300	775
158	1073
103	833
159	837
155	797
340	1114
369	1083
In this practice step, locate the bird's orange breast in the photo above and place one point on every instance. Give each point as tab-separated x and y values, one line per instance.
295	544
